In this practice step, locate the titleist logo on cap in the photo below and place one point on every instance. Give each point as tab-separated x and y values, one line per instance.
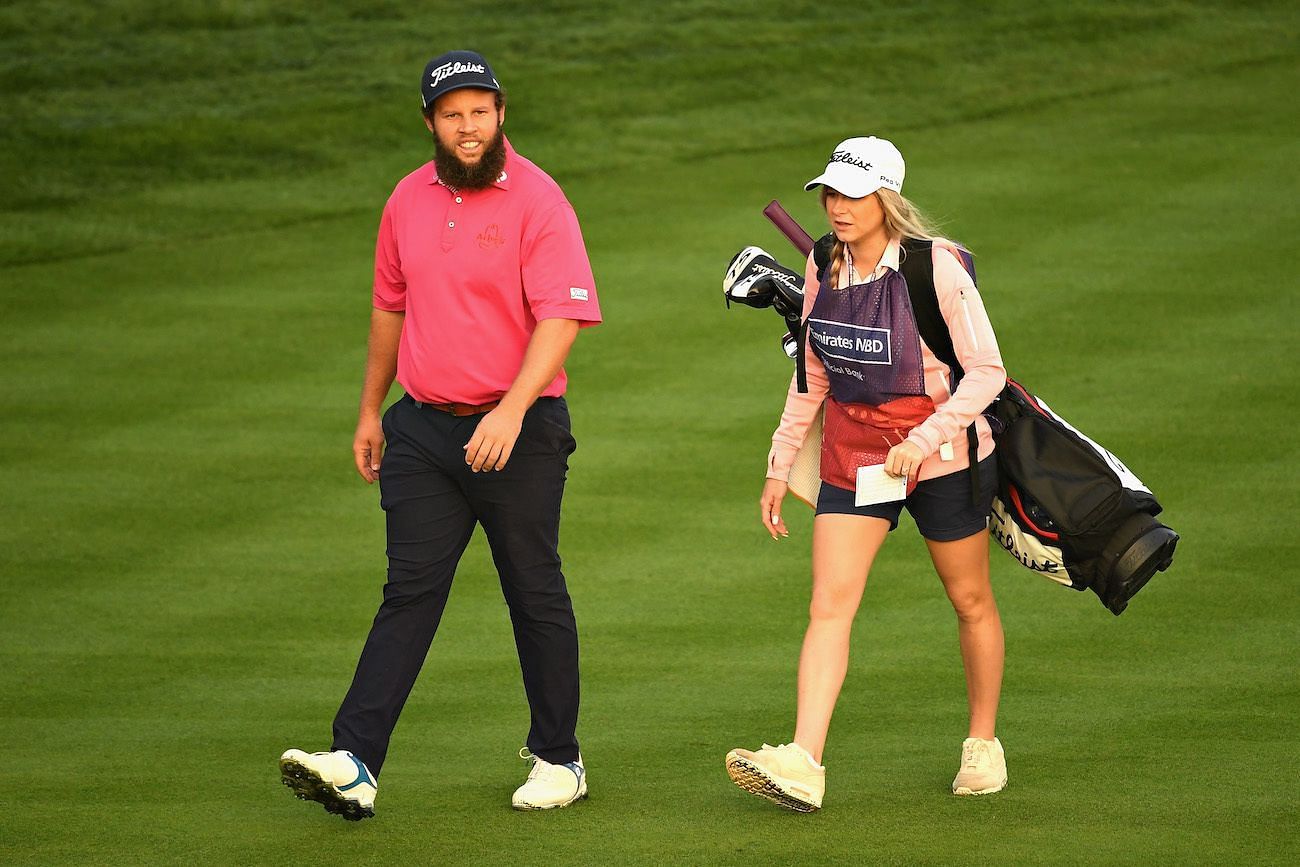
453	68
846	157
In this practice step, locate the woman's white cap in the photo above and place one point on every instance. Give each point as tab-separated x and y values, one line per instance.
860	166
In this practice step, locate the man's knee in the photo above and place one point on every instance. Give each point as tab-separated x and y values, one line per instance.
538	597
415	585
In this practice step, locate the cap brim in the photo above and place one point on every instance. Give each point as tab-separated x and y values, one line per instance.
849	181
478	85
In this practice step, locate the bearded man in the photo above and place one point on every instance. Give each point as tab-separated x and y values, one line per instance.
481	284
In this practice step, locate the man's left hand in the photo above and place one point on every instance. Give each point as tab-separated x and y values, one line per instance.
493	440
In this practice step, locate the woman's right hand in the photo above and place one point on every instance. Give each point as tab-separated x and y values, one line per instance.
769	507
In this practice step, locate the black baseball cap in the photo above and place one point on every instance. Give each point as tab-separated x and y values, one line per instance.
454	70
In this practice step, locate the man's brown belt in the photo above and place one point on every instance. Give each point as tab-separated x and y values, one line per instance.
460	408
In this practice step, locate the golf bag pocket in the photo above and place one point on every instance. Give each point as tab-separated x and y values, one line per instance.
1034	544
1072	490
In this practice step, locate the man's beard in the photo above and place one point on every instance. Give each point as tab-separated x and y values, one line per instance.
463	176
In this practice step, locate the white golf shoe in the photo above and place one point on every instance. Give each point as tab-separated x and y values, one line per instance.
983	768
786	775
338	780
549	786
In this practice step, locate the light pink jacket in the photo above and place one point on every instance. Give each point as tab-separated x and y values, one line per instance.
974	344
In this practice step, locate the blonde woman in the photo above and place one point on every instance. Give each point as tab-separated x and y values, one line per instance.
888	404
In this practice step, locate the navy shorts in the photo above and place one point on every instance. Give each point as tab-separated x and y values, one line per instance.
941	506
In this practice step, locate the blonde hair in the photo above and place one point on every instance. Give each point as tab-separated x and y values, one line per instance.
903	219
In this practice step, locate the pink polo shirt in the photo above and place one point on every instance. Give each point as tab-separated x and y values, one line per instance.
475	271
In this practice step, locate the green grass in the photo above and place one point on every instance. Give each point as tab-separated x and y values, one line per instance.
188	564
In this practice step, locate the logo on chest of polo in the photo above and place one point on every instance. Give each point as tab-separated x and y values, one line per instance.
856	343
490	238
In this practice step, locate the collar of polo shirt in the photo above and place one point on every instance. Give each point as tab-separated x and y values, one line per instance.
888	259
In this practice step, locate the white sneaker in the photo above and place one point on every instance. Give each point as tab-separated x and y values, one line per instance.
786	775
983	768
338	780
549	786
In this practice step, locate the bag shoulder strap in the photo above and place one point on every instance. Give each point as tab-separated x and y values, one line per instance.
917	268
821	258
822	253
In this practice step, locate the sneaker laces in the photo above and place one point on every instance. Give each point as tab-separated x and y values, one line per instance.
542	769
548	773
538	764
793	749
973	752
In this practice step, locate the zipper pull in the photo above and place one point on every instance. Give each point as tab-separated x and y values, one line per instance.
970	326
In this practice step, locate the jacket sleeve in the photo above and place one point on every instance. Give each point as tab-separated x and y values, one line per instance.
976	349
800	409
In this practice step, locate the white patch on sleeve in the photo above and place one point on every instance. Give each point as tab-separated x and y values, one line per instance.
577	294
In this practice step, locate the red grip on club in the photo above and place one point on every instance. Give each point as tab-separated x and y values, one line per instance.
786	224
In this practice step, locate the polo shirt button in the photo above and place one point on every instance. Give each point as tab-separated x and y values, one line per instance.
458	200
451	225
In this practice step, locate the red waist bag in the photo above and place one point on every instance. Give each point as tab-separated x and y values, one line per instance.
861	435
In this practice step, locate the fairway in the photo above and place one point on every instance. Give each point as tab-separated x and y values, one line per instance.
189	194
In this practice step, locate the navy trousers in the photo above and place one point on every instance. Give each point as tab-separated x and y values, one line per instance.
432	501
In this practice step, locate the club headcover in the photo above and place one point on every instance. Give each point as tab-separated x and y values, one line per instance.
756	279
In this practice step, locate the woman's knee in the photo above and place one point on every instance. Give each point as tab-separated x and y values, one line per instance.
973	603
834	603
824	612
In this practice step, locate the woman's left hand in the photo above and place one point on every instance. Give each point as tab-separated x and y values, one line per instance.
904	459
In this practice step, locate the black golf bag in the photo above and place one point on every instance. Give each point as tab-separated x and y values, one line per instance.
1069	509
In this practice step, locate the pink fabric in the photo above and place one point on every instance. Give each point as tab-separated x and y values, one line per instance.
975	346
474	272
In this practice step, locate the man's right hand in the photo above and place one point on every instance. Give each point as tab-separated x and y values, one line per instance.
368	447
769	507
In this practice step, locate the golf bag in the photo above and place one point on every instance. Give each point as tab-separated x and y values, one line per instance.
1070	510
1066	508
